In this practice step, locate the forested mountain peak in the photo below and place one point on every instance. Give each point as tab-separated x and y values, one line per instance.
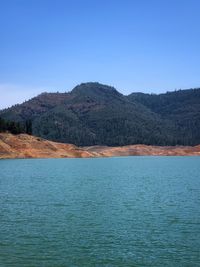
97	114
95	91
94	87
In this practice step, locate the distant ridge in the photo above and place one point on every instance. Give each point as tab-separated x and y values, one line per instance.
97	114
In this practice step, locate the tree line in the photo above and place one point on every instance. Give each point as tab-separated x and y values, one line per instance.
15	127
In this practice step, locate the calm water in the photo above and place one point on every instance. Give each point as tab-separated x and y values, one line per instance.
131	211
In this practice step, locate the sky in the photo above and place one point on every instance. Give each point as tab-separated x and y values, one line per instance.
134	45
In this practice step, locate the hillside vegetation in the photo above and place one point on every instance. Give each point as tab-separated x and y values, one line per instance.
96	114
181	108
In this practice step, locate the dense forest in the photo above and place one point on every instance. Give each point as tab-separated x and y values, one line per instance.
15	127
96	114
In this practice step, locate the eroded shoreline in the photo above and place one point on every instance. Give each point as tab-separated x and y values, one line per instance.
27	146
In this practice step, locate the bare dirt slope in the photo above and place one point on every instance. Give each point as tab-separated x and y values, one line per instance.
26	146
144	150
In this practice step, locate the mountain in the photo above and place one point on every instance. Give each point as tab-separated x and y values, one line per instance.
96	114
181	108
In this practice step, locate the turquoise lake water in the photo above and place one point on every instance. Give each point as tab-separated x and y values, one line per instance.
128	211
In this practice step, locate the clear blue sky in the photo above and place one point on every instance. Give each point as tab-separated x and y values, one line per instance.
134	45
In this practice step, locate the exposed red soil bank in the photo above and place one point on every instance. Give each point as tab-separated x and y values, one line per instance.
26	146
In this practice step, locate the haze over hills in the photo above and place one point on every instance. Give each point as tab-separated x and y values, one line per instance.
96	114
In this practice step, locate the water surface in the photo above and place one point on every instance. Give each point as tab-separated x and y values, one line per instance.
128	211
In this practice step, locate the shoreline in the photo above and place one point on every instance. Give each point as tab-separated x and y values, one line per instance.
25	146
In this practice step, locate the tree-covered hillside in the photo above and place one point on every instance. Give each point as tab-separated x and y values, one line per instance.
182	108
15	127
96	114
